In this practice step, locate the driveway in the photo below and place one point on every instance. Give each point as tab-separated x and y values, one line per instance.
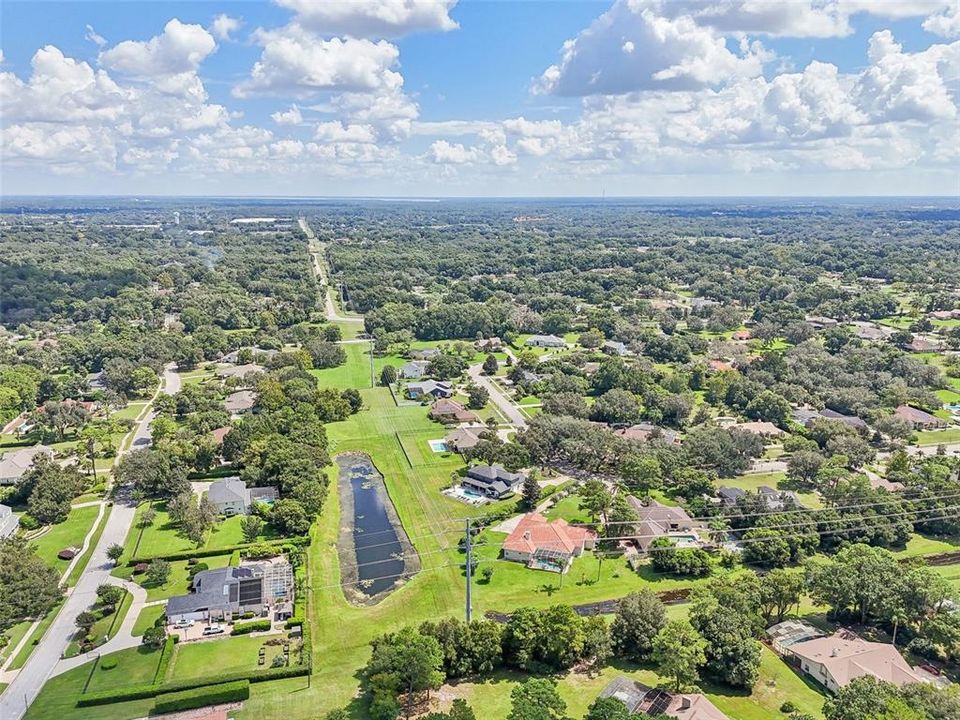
45	658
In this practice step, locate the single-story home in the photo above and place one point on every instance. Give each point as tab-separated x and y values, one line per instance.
224	593
945	314
920	344
447	411
761	428
547	545
613	347
239	402
741	335
836	660
804	416
463	438
919	419
819	322
545	341
220	433
729	495
788	633
648	431
492	481
96	381
225	372
423	353
642	700
232	496
489	344
414	370
14	463
8	522
432	388
257	352
720	365
655	521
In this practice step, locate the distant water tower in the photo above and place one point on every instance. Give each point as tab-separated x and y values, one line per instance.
176	218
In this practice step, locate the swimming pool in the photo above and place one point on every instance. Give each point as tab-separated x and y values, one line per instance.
438	446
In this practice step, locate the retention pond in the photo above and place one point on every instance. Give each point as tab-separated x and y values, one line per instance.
376	555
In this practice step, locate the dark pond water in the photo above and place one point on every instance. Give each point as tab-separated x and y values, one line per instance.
375	538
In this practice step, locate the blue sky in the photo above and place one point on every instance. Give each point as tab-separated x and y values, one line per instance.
435	97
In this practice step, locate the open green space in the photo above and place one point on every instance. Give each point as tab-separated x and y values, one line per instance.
69	533
21	658
938	437
229	654
105	627
147	619
568	508
751	482
179	581
919	545
130	412
13	635
163	537
135	666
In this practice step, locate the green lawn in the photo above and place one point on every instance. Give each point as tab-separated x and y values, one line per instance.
69	533
750	483
569	510
950	573
34	639
105	627
135	666
131	411
919	545
777	684
147	618
94	539
936	437
356	372
179	581
163	536
14	635
193	660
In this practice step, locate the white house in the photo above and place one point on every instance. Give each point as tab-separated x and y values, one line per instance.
8	522
232	496
545	341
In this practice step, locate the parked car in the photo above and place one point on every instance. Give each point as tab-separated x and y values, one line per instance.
212	631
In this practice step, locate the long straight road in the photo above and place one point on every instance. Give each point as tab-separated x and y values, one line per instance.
507	407
320	269
42	663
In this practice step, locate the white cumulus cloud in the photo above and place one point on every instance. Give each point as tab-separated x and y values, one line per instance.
372	18
223	26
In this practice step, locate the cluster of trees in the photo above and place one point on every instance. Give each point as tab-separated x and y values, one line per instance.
29	587
47	488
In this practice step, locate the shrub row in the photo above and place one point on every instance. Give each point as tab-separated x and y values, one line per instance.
298	541
225	471
244	628
166	657
295	621
140	692
204	696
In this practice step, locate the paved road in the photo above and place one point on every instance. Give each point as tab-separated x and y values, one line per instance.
43	661
316	252
507	407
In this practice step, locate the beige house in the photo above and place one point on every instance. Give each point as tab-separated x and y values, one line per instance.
835	660
14	463
655	521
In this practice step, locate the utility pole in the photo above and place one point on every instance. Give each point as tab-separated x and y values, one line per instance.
469	571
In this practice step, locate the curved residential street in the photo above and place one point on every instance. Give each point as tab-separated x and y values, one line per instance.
45	661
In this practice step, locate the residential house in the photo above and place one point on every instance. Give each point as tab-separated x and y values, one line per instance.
945	314
741	335
761	428
775	499
648	431
20	425
450	411
805	416
836	660
414	370
920	345
492	481
233	497
14	463
701	303
785	634
429	388
820	322
729	496
96	381
655	521
423	353
8	522
222	594
239	402
463	438
547	545
225	372
919	419
257	354
642	700
489	345
612	347
220	433
720	365
870	331
545	341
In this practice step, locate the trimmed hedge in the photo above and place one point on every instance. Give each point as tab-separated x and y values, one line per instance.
204	696
140	692
299	541
253	626
295	621
166	657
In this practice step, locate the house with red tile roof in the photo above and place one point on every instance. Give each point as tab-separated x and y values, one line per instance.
547	545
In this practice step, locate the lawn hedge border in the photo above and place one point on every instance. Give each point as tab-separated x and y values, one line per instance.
245	628
297	540
204	696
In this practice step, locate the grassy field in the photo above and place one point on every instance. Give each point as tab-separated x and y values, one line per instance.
14	635
94	539
69	533
164	537
569	509
224	655
179	581
42	627
936	437
750	483
919	545
146	619
135	666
